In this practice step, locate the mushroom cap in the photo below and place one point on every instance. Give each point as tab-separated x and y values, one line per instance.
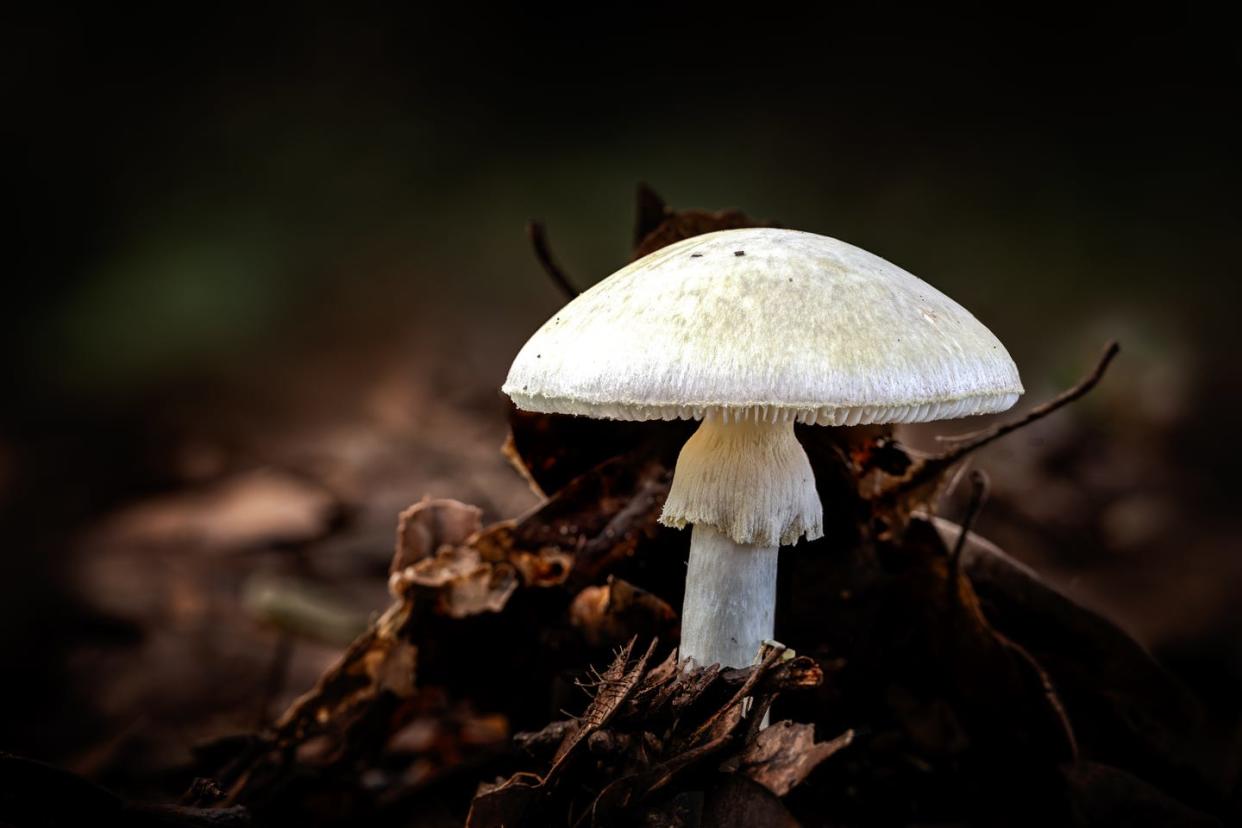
769	324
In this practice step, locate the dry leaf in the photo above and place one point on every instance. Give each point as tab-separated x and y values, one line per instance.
259	508
618	611
782	755
430	523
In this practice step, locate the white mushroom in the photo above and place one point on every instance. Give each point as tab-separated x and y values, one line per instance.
750	331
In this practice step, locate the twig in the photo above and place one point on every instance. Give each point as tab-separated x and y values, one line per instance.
978	496
934	465
539	240
956	480
1038	412
1049	689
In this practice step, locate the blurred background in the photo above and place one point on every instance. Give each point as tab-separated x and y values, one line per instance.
268	271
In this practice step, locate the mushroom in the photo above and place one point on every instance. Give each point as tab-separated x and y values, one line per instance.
751	331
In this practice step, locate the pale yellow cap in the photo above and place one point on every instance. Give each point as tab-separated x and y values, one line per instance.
765	324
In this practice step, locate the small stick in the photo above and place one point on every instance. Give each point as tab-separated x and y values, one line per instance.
956	480
539	240
935	464
1038	412
978	496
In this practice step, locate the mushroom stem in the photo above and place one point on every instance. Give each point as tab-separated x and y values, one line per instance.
730	599
747	487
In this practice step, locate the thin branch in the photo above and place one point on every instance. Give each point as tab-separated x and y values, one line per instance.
1050	692
955	481
934	465
979	487
539	240
1038	412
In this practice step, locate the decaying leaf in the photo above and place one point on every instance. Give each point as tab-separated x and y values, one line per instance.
460	581
430	523
1113	691
647	728
734	801
608	615
784	754
551	450
442	578
382	661
254	509
614	688
619	798
660	226
594	526
507	802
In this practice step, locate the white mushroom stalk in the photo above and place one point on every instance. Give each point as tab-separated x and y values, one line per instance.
750	331
747	487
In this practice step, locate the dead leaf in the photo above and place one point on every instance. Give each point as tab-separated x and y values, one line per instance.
339	710
506	803
550	450
255	509
1112	689
737	802
783	754
615	801
429	524
618	611
678	225
459	581
614	687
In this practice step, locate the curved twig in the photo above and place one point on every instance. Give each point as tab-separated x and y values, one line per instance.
933	466
978	496
539	240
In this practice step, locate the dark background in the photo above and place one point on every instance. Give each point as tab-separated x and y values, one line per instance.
262	239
